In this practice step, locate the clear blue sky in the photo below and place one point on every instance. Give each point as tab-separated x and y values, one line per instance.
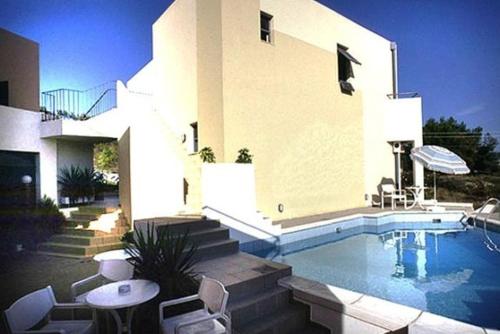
449	50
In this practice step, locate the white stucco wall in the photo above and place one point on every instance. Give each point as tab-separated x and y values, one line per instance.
229	188
74	153
320	26
228	195
151	177
403	120
156	179
20	131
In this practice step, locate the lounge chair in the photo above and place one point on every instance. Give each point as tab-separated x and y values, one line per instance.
390	191
205	320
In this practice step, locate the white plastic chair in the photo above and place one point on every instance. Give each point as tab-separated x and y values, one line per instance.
31	309
109	271
214	297
390	191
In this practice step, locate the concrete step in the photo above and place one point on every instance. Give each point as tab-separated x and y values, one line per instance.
84	216
95	210
281	321
70	256
83	232
191	225
85	240
217	249
267	280
209	235
72	222
248	309
78	250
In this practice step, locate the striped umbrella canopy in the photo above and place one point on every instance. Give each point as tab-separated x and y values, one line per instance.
439	159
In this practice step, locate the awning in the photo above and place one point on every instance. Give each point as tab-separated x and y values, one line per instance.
346	54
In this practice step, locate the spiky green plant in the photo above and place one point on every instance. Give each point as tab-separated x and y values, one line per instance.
207	155
77	182
164	257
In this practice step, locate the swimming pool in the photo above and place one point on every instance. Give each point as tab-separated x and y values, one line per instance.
446	270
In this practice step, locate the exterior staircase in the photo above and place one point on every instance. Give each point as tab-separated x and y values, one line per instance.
81	239
257	304
212	239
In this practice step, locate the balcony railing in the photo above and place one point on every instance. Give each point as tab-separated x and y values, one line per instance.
405	95
78	104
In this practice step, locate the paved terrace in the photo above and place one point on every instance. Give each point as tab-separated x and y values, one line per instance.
263	293
289	223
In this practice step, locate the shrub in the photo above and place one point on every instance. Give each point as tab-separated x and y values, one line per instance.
244	156
166	258
207	155
31	226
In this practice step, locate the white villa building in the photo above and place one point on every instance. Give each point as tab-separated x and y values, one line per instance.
310	93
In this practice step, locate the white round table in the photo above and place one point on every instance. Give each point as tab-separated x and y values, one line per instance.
117	254
107	297
417	199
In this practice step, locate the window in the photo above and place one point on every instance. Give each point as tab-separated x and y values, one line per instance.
195	136
4	93
345	60
265	27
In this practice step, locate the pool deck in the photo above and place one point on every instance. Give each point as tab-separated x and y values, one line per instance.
345	311
295	222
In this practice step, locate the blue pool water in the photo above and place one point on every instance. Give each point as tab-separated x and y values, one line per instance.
451	273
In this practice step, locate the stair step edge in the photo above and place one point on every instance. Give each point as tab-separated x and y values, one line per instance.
253	299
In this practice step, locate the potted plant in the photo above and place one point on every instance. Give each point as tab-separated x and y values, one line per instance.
207	155
244	156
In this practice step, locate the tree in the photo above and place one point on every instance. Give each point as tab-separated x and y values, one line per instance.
476	149
106	157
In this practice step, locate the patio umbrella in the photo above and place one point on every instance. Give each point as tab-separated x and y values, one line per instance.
439	159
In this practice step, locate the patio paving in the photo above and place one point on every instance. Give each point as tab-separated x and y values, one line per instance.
294	222
27	272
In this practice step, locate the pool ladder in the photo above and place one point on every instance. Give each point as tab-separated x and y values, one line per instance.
490	244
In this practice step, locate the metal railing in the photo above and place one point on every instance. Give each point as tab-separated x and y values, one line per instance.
78	104
407	95
490	244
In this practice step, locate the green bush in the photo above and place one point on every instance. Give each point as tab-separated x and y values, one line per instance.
207	155
31	226
244	156
474	189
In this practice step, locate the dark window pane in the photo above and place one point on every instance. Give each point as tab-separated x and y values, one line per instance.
264	22
265	27
195	136
4	93
345	68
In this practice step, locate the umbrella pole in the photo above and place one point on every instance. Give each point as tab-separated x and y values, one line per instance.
435	197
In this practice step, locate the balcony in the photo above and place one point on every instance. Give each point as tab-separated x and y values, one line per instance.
78	105
88	115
